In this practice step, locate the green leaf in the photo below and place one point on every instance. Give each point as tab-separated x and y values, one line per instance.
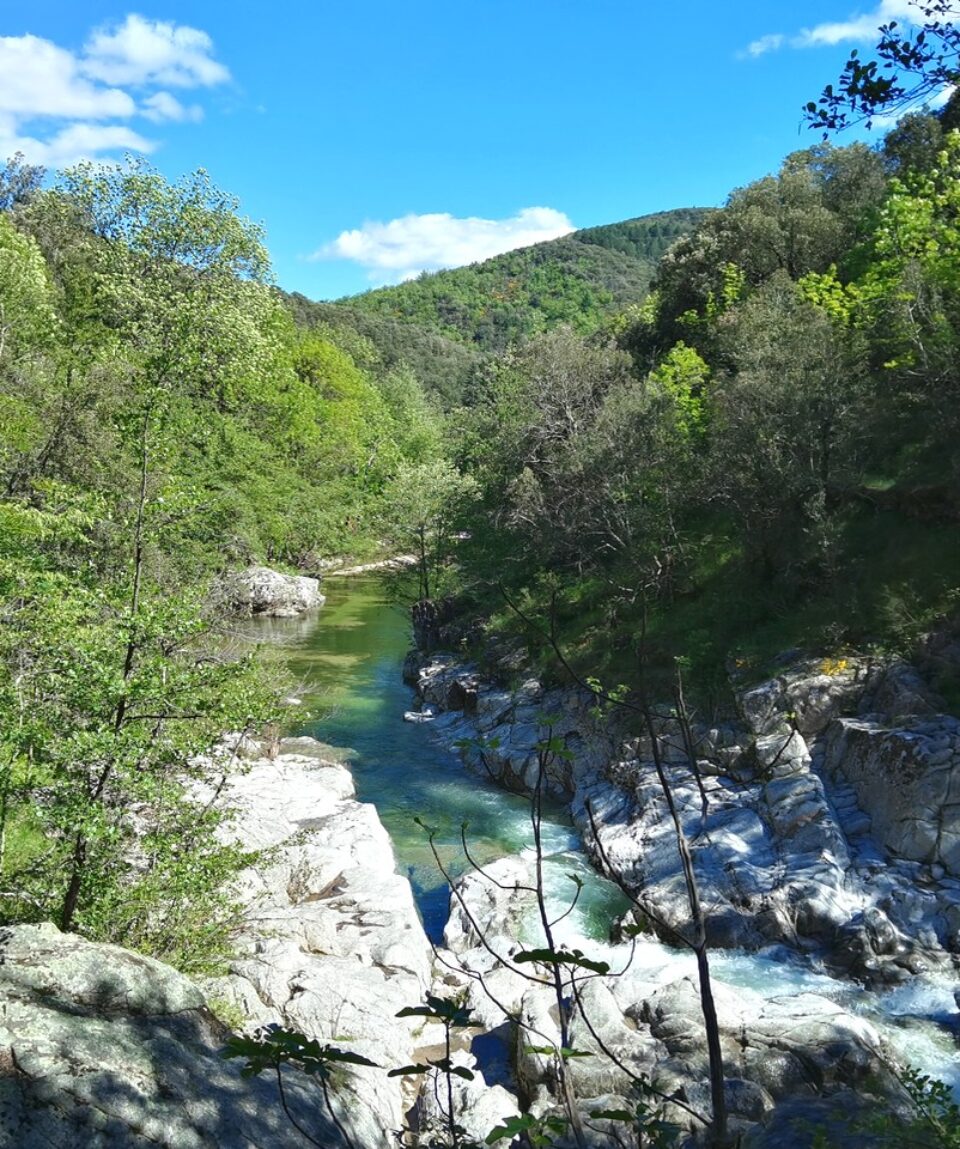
572	958
614	1115
511	1127
346	1056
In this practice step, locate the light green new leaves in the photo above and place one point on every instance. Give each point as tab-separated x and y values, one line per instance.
27	316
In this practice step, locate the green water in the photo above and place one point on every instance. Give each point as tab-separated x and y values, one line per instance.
347	660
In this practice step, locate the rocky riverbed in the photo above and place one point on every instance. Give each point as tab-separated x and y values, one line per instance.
821	828
821	823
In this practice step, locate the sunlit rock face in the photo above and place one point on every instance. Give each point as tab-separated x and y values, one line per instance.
907	778
262	592
827	818
331	943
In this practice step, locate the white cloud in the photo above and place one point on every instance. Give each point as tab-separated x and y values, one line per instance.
140	51
39	79
401	248
162	106
858	28
71	144
58	105
765	44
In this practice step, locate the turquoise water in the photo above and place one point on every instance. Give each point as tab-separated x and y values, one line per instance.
347	663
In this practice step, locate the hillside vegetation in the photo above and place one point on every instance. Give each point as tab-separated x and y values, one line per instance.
579	280
444	366
762	454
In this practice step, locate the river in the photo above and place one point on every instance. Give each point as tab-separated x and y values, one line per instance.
347	662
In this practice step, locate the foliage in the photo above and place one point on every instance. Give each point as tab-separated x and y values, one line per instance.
422	508
273	1047
27	317
107	715
912	66
578	280
161	417
786	411
443	367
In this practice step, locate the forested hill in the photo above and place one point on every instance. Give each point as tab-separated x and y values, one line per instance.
442	365
577	280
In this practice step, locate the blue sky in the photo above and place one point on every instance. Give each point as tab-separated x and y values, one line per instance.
378	139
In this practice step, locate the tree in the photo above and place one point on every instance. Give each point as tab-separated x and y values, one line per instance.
531	434
19	181
120	686
913	145
180	276
786	419
802	220
422	506
27	317
911	67
913	288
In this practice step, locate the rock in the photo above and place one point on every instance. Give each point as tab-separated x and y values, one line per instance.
332	943
901	693
260	591
778	838
513	725
106	1049
495	905
477	1106
344	568
419	715
907	778
813	691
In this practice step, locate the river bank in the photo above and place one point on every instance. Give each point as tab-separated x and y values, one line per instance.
773	815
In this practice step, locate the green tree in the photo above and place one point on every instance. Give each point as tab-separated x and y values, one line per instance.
121	688
786	423
28	319
19	181
422	509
